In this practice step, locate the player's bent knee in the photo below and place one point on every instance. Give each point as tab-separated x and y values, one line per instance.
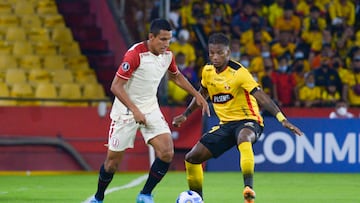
166	156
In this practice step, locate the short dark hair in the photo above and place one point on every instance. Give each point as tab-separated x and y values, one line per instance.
219	38
159	24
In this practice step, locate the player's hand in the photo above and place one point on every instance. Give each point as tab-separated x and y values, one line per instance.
200	101
139	117
178	120
292	127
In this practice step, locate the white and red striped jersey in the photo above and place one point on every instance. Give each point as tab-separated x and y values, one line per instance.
144	71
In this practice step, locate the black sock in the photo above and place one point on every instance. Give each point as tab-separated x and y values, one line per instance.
104	180
157	172
248	180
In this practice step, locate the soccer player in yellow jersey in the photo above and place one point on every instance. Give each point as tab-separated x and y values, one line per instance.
235	96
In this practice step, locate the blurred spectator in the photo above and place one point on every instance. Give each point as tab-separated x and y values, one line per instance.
339	65
218	21
309	95
242	20
341	111
183	45
283	45
342	14
276	9
255	39
289	22
224	7
175	17
344	40
304	8
352	84
313	37
177	95
245	60
257	63
314	20
266	80
325	75
330	95
235	49
316	56
284	82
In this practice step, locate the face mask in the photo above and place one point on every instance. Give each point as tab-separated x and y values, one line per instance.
181	66
310	85
265	54
282	69
217	18
245	63
235	55
299	55
341	111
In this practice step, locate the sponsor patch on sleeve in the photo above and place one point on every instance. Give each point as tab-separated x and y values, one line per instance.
125	66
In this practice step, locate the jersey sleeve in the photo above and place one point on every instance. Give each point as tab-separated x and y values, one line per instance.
204	72
246	80
129	64
173	67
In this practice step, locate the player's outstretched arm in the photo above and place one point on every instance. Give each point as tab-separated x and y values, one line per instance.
266	102
178	120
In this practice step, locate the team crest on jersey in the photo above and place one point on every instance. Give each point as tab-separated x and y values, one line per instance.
222	98
125	66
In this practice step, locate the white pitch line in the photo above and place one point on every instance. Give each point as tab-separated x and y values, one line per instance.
131	184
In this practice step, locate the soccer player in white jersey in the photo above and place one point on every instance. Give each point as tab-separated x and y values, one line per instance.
136	107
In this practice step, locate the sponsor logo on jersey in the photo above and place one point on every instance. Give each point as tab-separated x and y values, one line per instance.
125	66
222	98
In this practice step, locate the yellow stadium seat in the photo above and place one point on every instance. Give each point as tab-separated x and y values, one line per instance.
24	7
30	21
54	62
62	76
46	7
52	21
5	92
45	91
22	91
93	91
69	49
79	62
84	76
45	48
38	76
15	75
15	34
5	8
9	20
71	91
29	62
62	35
38	34
21	48
5	47
8	62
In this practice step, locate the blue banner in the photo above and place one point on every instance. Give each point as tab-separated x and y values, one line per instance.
329	145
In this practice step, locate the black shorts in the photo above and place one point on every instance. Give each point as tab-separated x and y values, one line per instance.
223	137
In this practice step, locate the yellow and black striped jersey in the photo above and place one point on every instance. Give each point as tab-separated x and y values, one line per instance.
229	92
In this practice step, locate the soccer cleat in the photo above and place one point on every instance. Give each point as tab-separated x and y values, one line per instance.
249	195
144	198
94	200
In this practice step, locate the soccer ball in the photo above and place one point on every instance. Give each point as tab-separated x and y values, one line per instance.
189	197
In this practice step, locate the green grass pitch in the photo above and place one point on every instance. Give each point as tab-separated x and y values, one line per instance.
219	187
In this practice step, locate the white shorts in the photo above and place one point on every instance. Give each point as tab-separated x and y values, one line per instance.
122	132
